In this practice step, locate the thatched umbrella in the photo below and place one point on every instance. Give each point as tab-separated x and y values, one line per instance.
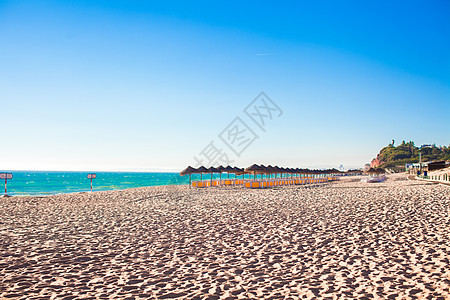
291	171
277	170
375	171
355	171
335	171
238	171
264	170
213	170
202	170
283	171
270	170
287	171
371	171
221	169
188	171
306	172
254	169
229	170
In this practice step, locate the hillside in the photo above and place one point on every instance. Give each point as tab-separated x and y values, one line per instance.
391	156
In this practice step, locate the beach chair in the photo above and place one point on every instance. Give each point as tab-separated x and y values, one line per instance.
199	184
253	184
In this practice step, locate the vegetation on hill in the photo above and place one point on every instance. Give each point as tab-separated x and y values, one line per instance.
404	153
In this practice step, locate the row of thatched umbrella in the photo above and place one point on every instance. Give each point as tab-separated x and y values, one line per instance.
261	169
221	169
253	169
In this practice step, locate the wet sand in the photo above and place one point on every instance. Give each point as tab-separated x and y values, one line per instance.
342	240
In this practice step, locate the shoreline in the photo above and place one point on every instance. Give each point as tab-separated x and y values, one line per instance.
89	192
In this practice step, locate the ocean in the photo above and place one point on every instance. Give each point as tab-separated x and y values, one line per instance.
41	183
35	183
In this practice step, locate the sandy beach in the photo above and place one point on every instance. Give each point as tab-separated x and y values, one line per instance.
340	240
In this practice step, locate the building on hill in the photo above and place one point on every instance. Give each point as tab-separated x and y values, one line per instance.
424	168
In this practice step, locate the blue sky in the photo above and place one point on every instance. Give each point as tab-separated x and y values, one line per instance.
147	85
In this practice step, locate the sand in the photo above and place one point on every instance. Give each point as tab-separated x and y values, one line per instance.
340	240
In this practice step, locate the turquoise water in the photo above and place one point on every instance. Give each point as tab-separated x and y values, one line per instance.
38	183
51	183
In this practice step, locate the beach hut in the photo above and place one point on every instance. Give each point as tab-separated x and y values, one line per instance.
189	171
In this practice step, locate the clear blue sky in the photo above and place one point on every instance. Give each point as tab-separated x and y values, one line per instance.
147	85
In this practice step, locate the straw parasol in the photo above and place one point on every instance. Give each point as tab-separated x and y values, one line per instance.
371	171
221	169
306	171
276	170
229	170
202	170
283	171
213	170
263	170
188	171
270	170
291	171
238	171
335	171
354	171
254	169
375	171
